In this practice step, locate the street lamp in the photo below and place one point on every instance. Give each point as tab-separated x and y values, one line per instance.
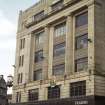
10	81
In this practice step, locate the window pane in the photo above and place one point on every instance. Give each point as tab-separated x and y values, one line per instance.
59	69
38	75
57	5
59	49
22	43
60	29
39	56
54	92
81	64
18	97
39	16
33	95
39	38
82	41
20	78
82	19
78	89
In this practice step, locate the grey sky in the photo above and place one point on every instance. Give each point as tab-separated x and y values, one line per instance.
9	10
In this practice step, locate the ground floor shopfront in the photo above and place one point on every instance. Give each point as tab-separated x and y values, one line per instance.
89	100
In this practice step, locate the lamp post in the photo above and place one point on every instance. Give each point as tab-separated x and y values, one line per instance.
3	88
10	81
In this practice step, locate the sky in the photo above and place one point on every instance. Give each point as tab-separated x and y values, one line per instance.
9	11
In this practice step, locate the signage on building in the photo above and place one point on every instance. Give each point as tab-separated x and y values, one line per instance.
83	102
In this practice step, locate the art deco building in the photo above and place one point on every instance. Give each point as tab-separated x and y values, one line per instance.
60	53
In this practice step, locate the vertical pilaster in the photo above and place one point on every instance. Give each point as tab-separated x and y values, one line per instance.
91	33
69	46
43	93
46	53
50	52
27	57
31	60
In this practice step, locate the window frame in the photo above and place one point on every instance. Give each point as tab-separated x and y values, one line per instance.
57	5
80	14
20	78
38	16
81	61
21	60
54	92
22	43
37	57
39	38
59	48
18	97
60	29
35	73
78	89
57	68
79	39
33	95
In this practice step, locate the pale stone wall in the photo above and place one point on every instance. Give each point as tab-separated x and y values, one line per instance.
95	30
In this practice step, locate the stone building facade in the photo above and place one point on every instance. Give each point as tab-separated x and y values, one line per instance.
60	52
3	91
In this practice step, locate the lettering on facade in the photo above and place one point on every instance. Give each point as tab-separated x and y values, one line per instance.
81	102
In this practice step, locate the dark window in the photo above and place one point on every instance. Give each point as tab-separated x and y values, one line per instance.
57	5
18	97
38	75
39	16
22	43
39	38
82	19
59	69
39	56
60	29
21	60
59	49
82	41
54	92
33	95
81	64
78	89
20	77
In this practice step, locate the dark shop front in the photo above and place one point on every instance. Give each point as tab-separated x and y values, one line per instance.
90	100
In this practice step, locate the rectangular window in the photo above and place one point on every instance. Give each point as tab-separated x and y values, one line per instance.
18	97
57	5
59	69
39	56
22	43
82	41
54	92
33	95
60	30
59	49
39	38
20	77
78	89
38	75
21	60
81	64
82	19
39	16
